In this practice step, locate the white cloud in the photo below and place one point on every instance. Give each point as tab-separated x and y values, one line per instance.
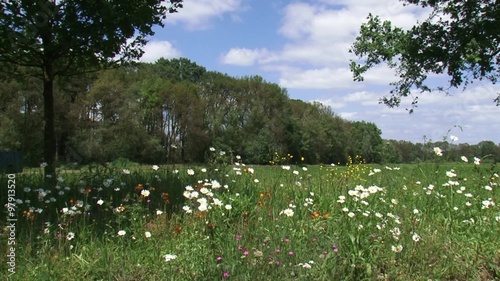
318	37
198	14
243	56
320	78
157	49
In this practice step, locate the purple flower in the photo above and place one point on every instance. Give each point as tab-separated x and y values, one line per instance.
226	275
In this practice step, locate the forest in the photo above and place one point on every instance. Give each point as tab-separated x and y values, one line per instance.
173	110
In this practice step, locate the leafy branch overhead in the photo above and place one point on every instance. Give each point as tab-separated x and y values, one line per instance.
48	39
459	38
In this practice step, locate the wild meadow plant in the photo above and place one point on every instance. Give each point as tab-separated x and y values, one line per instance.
231	221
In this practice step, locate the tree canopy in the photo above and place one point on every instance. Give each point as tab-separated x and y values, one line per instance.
46	39
460	38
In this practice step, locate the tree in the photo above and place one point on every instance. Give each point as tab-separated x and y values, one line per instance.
69	37
460	38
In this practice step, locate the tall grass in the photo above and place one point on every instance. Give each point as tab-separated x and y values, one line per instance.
285	222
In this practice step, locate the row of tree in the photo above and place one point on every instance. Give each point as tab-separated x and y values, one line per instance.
173	110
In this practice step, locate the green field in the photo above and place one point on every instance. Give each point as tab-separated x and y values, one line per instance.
433	221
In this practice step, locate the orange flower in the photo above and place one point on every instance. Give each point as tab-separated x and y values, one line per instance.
178	229
165	197
261	203
139	187
326	215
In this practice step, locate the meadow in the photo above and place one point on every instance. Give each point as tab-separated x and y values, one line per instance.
231	221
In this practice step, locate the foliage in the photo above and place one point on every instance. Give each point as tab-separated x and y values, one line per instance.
459	38
141	113
46	39
361	222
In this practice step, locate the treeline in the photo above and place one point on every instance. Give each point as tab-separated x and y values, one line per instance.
407	152
172	111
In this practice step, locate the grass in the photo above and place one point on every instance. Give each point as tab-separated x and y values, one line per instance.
435	221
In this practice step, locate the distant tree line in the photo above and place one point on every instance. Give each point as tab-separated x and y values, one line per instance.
172	111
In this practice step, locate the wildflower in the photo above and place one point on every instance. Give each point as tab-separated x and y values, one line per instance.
147	234
228	207
70	236
203	208
288	212
145	193
397	249
222	153
122	233
305	265
395	233
258	254
453	138
187	209
451	174
309	201
415	237
159	212
155	167
351	214
226	274
217	202
169	257
464	159
438	151
194	194
285	168
126	171
373	189
203	170
477	161
487	203
190	172
215	184
100	202
256	180
295	172
304	169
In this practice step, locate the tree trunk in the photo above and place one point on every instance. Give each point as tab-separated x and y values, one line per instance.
49	130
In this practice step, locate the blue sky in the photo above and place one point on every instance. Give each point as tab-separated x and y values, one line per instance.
303	46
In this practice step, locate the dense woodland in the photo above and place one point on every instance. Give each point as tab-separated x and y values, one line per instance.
172	111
